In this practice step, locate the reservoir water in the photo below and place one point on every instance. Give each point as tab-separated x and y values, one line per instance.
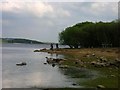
35	73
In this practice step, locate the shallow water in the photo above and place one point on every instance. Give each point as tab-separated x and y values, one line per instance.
35	73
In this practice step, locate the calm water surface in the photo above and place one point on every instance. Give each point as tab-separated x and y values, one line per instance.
35	73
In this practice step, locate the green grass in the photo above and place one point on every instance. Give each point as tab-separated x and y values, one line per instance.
108	82
104	79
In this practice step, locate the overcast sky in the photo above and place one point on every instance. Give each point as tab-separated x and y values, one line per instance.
44	20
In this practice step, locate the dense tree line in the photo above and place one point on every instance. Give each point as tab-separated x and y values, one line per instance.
89	34
19	40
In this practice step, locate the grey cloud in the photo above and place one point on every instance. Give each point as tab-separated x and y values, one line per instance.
46	28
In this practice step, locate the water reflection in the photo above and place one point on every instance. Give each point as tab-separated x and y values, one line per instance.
34	74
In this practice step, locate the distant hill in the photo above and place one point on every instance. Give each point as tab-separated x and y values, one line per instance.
19	40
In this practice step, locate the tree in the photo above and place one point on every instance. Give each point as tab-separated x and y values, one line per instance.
88	34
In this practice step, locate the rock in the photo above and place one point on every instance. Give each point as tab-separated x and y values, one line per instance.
93	62
101	58
93	54
112	75
57	60
49	60
21	64
63	66
65	74
74	84
64	59
117	59
76	62
97	57
116	68
54	60
49	52
43	49
100	86
36	50
88	55
108	51
100	64
53	65
60	62
45	63
46	89
98	60
107	64
104	60
82	66
114	63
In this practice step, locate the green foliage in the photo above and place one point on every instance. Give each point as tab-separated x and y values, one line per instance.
88	34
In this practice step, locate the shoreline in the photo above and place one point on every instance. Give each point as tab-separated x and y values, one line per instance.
99	59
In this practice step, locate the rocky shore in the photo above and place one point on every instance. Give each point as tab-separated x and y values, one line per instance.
104	60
